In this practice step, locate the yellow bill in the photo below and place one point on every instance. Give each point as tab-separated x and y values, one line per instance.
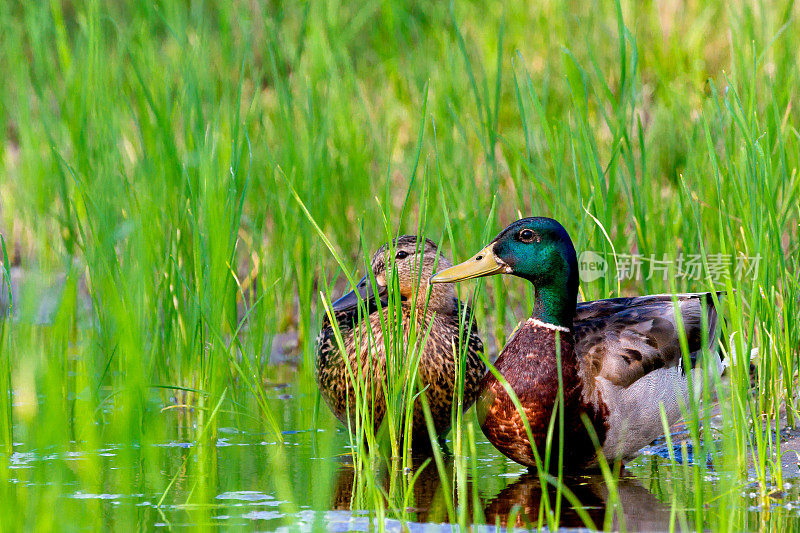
484	263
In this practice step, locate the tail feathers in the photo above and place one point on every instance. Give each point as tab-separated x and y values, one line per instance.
751	360
712	326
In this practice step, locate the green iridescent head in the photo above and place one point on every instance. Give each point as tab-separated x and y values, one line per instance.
537	249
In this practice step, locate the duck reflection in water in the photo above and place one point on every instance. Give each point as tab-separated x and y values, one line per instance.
417	492
521	501
419	496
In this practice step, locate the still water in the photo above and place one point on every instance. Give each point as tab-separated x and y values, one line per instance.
244	479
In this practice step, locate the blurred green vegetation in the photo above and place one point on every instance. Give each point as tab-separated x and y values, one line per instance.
148	152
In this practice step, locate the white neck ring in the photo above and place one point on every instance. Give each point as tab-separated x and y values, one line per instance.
547	325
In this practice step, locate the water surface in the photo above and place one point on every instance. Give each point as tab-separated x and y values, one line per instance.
243	478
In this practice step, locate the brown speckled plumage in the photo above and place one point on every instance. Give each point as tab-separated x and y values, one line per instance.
435	323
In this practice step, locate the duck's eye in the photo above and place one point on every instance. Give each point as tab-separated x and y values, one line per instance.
526	235
402	254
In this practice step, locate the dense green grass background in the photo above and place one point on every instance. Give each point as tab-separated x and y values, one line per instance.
148	154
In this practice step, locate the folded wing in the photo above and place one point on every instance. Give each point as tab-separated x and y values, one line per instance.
624	339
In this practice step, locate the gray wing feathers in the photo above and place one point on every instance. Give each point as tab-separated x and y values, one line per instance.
623	339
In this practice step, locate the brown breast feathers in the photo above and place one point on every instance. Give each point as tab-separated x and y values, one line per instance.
530	365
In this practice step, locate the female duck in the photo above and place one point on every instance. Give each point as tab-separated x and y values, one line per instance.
620	358
440	324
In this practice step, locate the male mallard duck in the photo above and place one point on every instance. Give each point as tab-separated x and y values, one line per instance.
620	358
436	323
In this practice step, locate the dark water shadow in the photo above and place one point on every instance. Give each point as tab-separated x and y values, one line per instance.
418	492
521	502
420	495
